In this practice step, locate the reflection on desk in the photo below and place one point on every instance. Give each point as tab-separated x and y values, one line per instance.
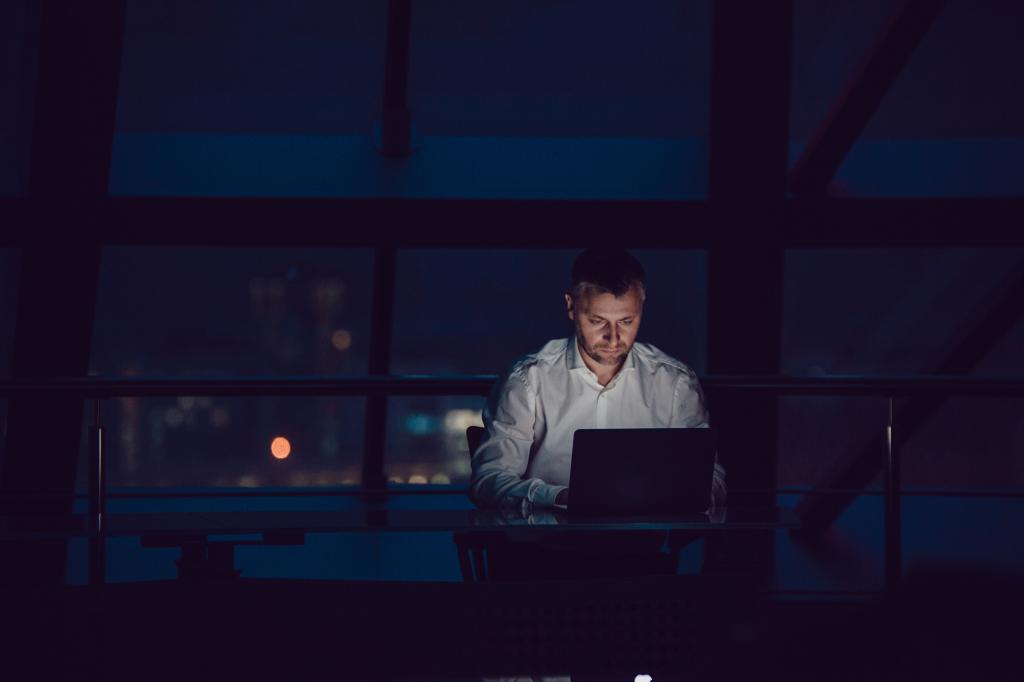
552	517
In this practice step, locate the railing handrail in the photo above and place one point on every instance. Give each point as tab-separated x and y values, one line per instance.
111	387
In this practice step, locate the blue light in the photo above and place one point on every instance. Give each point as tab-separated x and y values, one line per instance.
421	424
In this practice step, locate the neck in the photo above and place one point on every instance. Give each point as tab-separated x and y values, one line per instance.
604	373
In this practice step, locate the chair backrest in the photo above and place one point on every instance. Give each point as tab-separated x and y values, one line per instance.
474	434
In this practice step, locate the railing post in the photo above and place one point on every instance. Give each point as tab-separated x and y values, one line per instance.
382	317
97	499
893	521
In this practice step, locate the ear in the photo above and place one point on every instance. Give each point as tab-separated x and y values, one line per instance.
570	309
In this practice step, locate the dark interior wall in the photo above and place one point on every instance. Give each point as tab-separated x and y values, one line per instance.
17	68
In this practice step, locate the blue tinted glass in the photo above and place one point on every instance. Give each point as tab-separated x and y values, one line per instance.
565	100
892	311
475	312
426	438
956	104
196	441
229	97
229	312
174	311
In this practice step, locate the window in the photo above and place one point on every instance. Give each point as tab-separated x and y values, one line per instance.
509	100
558	99
898	312
955	105
228	312
231	98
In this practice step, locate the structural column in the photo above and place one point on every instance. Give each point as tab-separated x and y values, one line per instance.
73	125
750	91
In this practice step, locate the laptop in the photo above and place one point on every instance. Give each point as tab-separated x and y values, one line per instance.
641	471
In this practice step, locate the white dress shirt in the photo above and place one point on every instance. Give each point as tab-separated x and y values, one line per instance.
534	411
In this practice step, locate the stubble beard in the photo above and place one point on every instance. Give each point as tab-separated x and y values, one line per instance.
594	355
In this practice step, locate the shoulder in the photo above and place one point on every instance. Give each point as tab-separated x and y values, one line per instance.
549	358
653	359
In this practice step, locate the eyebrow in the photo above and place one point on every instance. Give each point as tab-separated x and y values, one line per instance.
629	317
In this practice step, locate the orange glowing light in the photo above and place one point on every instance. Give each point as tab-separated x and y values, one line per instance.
280	447
341	339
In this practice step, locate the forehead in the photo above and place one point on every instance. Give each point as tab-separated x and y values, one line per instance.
609	306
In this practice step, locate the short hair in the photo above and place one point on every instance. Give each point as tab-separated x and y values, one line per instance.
607	270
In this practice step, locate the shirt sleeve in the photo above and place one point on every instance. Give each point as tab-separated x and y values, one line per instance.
501	460
689	411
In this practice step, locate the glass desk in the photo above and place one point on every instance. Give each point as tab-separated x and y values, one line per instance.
376	520
207	538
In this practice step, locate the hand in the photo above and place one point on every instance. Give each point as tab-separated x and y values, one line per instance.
718	494
562	497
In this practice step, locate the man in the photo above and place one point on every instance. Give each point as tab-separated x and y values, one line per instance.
598	378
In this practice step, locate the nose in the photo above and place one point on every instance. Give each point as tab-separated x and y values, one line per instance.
612	335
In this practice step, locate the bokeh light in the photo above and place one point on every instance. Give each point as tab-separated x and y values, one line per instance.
280	448
341	339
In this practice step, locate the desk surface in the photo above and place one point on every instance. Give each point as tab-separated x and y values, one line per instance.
376	520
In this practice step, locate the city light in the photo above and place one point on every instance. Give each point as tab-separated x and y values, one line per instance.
418	479
419	424
440	479
341	339
280	448
219	417
174	417
457	421
643	678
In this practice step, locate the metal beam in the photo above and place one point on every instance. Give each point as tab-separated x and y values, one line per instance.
850	113
481	385
455	223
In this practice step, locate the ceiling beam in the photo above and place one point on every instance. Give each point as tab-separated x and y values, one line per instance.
499	223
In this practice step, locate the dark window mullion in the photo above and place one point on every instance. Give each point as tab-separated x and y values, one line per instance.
381	326
395	141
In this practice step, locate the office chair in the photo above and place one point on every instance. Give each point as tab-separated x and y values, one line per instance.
474	434
472	548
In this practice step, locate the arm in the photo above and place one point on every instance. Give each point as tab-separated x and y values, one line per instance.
689	411
500	462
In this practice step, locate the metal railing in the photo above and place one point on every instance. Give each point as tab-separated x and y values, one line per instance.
99	389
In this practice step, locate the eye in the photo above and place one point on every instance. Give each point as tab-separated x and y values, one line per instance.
626	322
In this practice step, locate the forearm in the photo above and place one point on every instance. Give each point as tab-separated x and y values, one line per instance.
497	487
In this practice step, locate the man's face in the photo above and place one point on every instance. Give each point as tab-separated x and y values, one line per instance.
606	325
